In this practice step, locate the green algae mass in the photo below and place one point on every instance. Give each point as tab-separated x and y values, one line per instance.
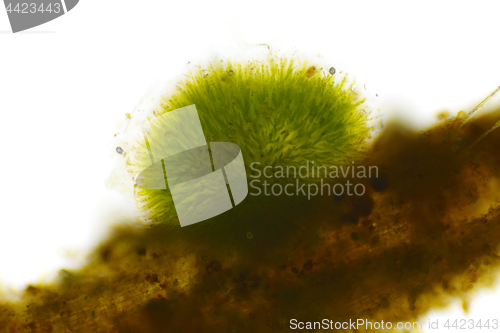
280	111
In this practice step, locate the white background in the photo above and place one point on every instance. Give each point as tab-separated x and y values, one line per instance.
64	86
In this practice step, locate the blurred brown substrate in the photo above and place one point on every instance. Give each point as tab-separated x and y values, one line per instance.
427	229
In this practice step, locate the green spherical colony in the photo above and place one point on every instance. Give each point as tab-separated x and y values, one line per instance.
279	111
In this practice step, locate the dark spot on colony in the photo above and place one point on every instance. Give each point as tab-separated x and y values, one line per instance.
213	267
351	218
160	308
384	303
152	278
380	183
245	282
308	266
105	254
363	206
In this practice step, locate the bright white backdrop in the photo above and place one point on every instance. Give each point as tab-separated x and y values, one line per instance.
64	86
